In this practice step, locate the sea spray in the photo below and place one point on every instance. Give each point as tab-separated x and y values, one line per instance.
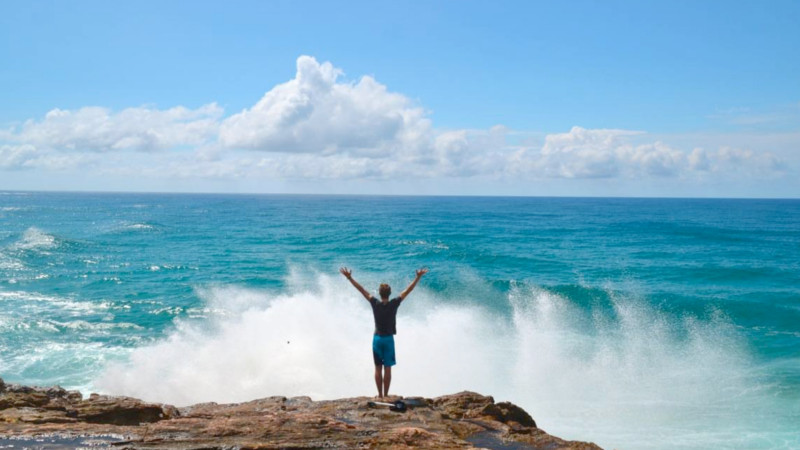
610	373
624	370
254	345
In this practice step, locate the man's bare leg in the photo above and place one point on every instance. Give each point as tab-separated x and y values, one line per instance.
387	379
379	380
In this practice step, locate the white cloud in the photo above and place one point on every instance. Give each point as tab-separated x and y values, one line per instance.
603	153
16	156
315	113
26	156
736	160
462	153
318	127
99	129
653	159
582	153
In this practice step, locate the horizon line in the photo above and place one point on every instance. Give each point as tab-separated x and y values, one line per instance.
307	194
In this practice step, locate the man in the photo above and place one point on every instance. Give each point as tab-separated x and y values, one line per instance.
385	313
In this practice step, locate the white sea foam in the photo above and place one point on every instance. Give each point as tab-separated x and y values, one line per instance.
9	263
126	226
51	301
423	243
34	239
82	325
155	268
626	376
140	226
66	364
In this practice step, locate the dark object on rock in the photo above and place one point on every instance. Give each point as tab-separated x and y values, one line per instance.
462	420
415	402
396	406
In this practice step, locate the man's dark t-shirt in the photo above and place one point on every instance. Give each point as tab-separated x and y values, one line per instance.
385	315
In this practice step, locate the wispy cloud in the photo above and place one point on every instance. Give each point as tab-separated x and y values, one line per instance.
97	129
583	153
782	116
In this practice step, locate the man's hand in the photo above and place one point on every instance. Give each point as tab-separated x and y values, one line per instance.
413	284
349	275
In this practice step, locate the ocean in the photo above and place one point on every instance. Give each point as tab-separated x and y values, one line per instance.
632	323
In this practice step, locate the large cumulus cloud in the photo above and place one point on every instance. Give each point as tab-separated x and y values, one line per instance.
315	113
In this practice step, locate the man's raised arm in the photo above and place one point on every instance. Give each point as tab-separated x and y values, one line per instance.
349	275
413	284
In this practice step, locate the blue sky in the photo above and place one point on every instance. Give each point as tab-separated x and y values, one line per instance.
694	98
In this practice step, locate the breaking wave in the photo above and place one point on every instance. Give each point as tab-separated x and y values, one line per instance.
34	239
615	374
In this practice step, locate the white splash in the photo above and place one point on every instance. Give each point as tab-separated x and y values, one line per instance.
617	376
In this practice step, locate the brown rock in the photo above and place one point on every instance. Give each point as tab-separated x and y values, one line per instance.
57	405
509	413
16	388
463	405
463	420
34	415
73	396
23	399
117	410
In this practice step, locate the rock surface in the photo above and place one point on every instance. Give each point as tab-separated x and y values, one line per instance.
463	420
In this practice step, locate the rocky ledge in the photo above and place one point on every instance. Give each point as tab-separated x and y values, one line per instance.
463	420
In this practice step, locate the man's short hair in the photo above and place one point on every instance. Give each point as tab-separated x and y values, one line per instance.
385	290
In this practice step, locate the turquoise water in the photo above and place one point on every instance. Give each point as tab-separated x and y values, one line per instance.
634	323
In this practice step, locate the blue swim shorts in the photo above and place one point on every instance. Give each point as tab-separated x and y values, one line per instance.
383	350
